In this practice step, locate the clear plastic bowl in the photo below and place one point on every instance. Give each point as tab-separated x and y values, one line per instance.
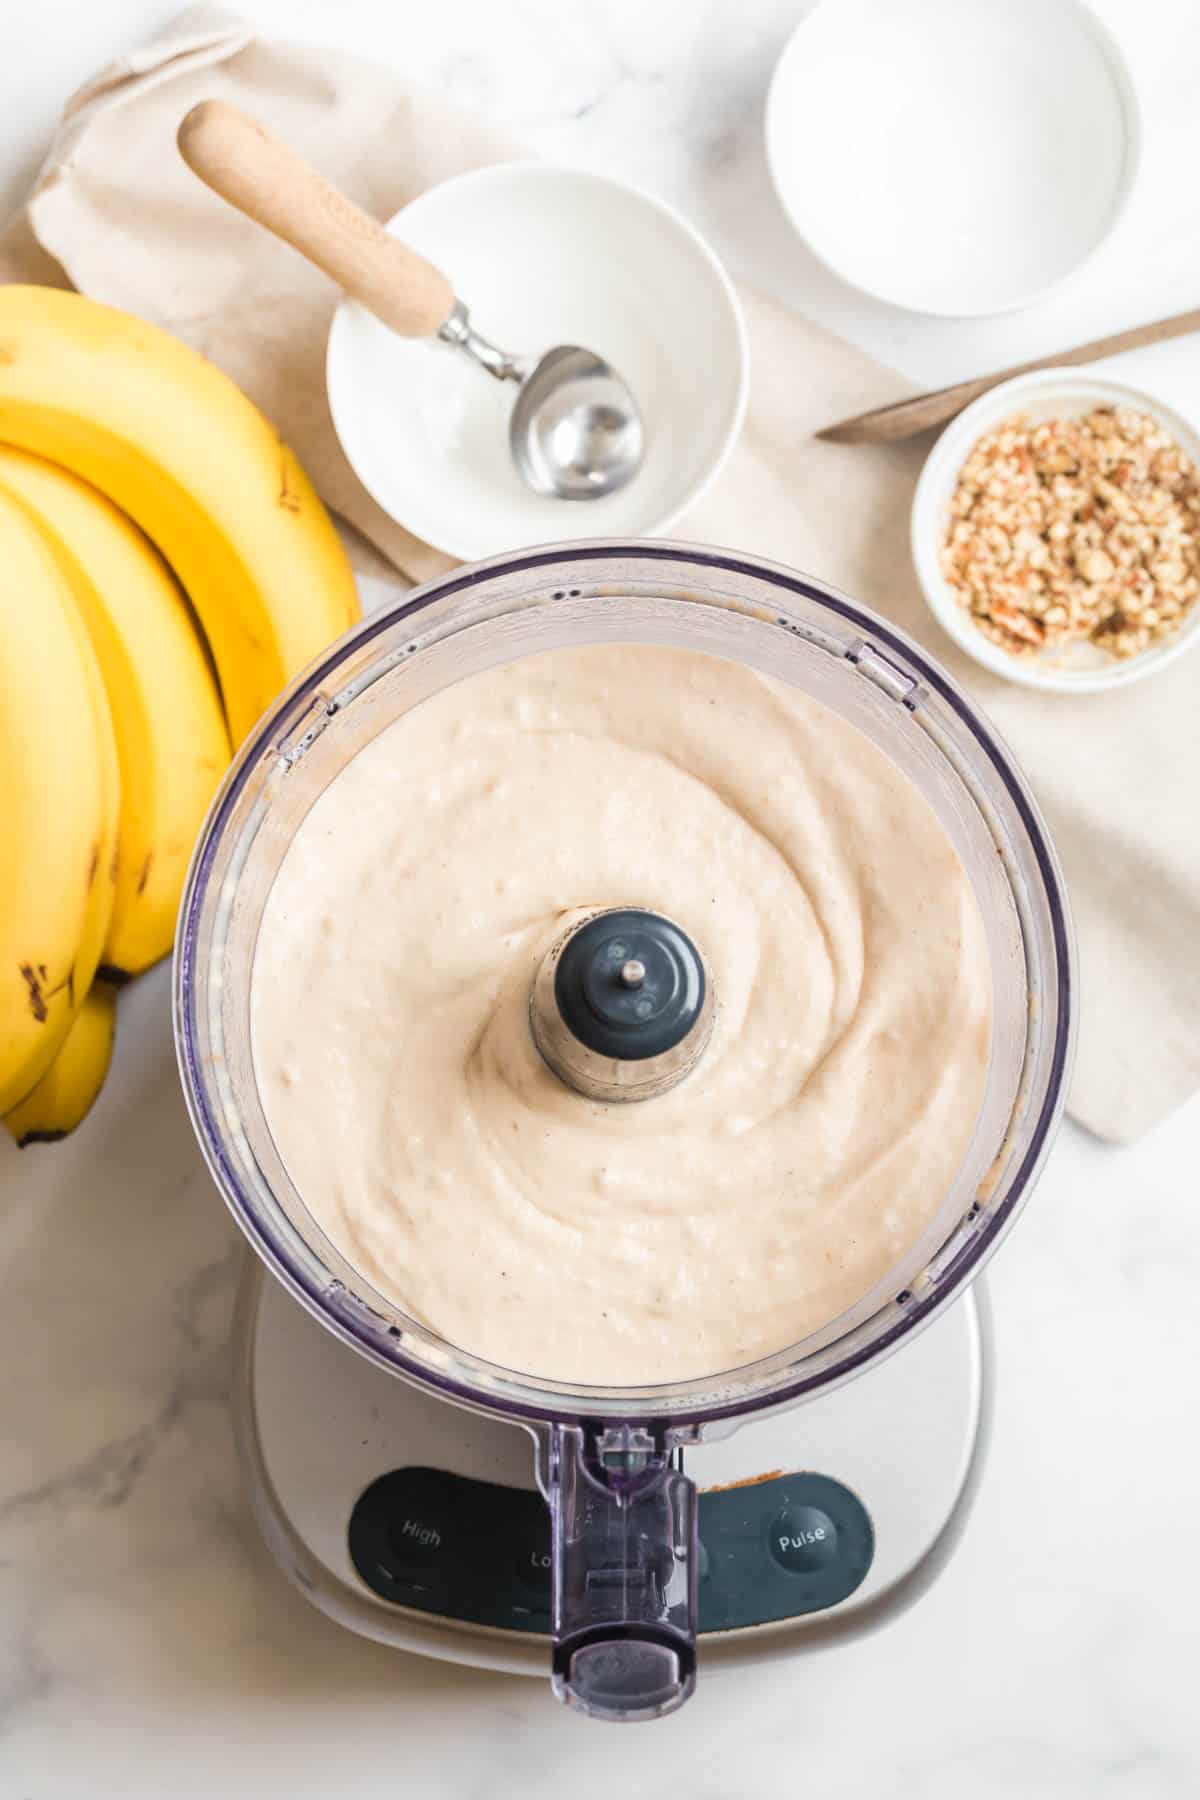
606	1455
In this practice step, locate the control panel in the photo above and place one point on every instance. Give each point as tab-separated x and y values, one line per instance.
771	1548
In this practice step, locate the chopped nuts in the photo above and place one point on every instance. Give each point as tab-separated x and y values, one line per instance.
1085	528
1094	565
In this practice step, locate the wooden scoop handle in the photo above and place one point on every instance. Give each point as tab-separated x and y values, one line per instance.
267	181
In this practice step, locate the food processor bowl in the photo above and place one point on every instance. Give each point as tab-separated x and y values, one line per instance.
623	1512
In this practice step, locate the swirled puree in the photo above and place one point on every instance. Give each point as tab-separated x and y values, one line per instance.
673	1237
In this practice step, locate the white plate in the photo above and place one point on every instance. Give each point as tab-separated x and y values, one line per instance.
957	157
542	255
1080	668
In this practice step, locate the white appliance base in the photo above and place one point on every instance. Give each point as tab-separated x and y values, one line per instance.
317	1424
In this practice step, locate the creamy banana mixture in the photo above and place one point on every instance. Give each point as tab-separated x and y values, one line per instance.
679	1236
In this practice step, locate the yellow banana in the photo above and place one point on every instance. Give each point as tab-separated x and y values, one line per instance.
178	447
63	1097
59	801
172	745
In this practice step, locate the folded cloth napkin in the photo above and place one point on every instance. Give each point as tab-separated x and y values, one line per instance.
117	214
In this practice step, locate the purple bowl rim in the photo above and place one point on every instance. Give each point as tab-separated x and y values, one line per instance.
973	1255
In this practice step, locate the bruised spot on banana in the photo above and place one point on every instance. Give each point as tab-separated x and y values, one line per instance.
287	499
33	979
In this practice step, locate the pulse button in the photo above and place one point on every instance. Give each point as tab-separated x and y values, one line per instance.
803	1539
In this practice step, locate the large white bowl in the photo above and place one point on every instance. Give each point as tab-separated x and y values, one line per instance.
542	255
1080	668
956	157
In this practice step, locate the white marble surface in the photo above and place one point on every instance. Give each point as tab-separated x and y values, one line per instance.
146	1645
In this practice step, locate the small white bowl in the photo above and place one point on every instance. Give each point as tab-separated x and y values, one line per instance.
1080	668
955	157
542	255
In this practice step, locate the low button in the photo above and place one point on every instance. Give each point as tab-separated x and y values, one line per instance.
531	1565
803	1539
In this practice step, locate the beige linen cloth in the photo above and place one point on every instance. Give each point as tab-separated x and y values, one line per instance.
116	213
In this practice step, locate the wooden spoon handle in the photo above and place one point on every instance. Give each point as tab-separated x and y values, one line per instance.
905	418
271	184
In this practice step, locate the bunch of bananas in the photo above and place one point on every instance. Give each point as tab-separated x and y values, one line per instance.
165	569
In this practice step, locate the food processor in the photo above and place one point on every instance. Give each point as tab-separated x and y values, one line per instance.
479	1513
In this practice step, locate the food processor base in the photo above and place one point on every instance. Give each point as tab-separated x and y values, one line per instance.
418	1523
